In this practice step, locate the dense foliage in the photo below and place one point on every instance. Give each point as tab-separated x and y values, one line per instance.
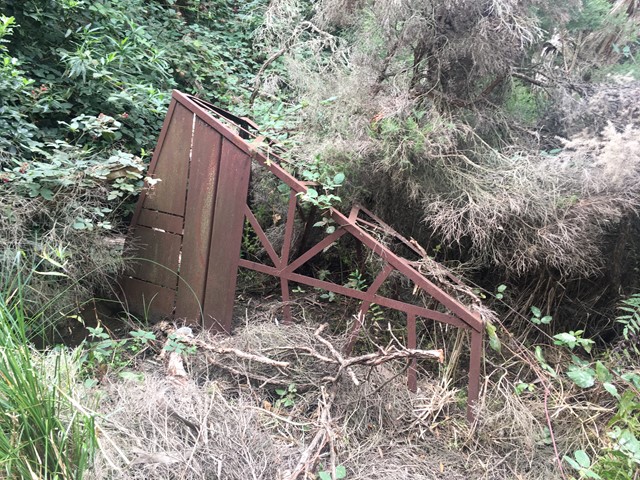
481	128
84	88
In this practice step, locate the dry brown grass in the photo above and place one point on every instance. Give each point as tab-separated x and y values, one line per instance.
223	420
66	266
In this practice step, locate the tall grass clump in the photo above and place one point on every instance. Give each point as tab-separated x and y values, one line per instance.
45	433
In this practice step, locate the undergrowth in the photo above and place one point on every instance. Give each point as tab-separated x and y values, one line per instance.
46	432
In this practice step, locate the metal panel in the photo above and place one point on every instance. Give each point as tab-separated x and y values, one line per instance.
203	175
162	221
172	165
157	256
152	300
226	238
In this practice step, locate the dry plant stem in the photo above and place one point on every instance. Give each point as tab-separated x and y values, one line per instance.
309	351
234	351
306	25
338	356
228	351
258	79
392	353
246	374
551	434
324	435
374	359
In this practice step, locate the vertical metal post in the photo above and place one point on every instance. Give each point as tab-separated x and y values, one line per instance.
475	361
286	306
284	257
412	343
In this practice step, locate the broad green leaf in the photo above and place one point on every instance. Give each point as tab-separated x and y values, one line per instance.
536	311
571	462
591	474
578	361
582	377
543	363
501	288
338	179
46	194
611	388
546	319
633	378
582	458
602	372
494	341
565	338
324	476
341	472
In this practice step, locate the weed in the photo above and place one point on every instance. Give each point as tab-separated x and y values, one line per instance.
287	396
45	433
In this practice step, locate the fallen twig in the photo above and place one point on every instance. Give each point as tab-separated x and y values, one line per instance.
324	435
186	338
373	359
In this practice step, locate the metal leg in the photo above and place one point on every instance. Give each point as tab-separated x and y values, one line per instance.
412	343
286	309
475	361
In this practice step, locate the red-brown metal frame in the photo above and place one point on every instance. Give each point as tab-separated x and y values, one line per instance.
285	268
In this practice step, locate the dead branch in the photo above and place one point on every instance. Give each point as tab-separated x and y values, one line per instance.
186	337
392	353
324	435
337	355
383	355
238	353
288	44
280	382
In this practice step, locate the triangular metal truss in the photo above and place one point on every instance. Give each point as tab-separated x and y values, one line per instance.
188	231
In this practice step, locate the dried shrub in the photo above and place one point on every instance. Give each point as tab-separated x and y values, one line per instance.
66	266
223	421
409	101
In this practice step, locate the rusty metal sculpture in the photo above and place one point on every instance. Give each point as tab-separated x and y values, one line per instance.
188	229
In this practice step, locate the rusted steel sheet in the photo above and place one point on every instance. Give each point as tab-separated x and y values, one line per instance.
198	221
161	221
226	237
208	188
157	258
172	166
155	301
